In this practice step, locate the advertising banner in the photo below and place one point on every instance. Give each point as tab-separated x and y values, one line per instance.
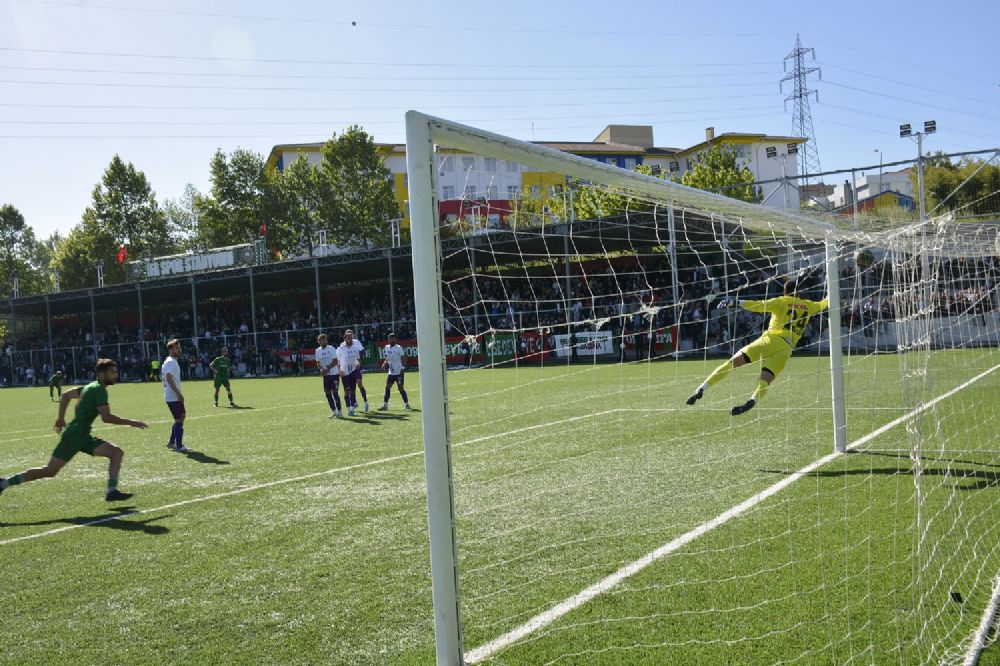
588	343
664	339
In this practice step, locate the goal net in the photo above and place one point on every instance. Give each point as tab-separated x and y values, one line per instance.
581	511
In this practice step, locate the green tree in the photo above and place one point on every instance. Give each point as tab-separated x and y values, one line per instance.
181	217
18	254
969	186
244	196
301	187
76	257
716	169
356	194
125	206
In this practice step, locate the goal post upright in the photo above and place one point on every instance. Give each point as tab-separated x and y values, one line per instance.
426	249
836	348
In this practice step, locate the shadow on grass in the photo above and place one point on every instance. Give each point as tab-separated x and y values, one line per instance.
114	520
965	478
386	416
239	407
200	457
362	418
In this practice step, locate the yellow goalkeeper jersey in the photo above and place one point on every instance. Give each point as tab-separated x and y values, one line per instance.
789	314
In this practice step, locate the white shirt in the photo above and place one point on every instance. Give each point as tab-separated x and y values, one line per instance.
173	369
325	356
395	355
349	357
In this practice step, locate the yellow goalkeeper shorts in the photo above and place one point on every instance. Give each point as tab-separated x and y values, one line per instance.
772	351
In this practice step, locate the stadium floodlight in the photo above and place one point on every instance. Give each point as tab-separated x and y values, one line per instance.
793	148
771	151
905	130
930	126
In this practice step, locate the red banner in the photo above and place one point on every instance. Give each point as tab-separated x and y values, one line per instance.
533	346
664	339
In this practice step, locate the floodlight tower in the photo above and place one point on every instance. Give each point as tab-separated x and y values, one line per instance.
906	131
802	124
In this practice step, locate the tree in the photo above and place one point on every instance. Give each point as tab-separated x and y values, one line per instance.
181	217
301	189
77	256
716	169
970	186
355	189
17	253
124	205
243	197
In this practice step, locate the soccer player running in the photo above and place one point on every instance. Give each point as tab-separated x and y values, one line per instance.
395	361
789	316
221	366
326	359
171	373
349	355
55	384
77	437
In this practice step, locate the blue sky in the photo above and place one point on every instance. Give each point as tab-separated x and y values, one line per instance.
164	84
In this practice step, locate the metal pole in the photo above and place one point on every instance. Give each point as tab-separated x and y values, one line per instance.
674	279
854	199
392	289
319	297
920	175
426	252
836	351
194	315
475	287
725	278
138	293
93	323
48	323
253	311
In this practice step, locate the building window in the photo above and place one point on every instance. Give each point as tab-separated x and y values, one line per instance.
468	163
490	164
448	191
630	163
535	190
512	191
470	192
491	192
612	161
447	165
512	167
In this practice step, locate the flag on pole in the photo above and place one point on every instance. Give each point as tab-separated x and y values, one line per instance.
263	228
122	255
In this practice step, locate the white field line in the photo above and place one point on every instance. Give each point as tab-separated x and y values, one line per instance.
979	639
572	603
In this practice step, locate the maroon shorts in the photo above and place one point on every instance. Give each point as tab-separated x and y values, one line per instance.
330	382
351	379
177	409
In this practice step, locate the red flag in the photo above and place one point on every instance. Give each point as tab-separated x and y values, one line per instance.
263	229
122	255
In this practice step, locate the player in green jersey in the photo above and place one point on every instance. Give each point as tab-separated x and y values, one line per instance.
76	436
789	316
221	366
55	383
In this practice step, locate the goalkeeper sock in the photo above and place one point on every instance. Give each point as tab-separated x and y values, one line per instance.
112	483
761	390
719	373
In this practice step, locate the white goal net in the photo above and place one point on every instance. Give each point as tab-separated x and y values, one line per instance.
581	511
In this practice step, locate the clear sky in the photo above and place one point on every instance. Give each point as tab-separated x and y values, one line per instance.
164	84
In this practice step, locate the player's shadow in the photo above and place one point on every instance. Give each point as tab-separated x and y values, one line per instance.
239	407
964	478
200	457
116	520
927	457
386	416
362	418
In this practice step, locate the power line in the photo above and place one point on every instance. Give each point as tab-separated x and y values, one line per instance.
400	26
294	61
341	77
913	85
911	101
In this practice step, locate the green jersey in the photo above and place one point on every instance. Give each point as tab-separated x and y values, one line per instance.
222	365
56	380
92	396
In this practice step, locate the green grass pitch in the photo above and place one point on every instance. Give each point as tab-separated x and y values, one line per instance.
292	538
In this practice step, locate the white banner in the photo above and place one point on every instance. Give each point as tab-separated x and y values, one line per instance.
588	343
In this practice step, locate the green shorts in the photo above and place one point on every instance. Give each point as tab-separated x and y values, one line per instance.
221	382
71	443
772	351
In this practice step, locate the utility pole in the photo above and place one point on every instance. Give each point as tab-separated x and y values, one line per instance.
802	124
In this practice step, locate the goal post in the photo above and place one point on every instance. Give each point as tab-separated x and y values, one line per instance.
424	134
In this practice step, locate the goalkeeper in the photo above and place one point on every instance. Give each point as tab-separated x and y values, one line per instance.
789	317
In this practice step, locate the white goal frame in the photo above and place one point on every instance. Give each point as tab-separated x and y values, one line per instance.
423	133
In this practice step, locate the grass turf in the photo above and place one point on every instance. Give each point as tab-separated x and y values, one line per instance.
562	476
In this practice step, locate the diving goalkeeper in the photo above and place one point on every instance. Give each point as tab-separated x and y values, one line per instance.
789	316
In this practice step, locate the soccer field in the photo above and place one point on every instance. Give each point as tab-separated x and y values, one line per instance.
292	538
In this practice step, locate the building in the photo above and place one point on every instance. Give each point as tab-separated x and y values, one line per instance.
869	184
488	183
888	198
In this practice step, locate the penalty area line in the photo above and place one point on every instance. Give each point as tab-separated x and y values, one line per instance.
570	604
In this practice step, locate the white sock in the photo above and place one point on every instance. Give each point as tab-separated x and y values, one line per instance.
703	387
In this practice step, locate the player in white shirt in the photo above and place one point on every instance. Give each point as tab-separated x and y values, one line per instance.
171	375
349	355
326	359
395	361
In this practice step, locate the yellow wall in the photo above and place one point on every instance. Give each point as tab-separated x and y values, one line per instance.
543	180
402	194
